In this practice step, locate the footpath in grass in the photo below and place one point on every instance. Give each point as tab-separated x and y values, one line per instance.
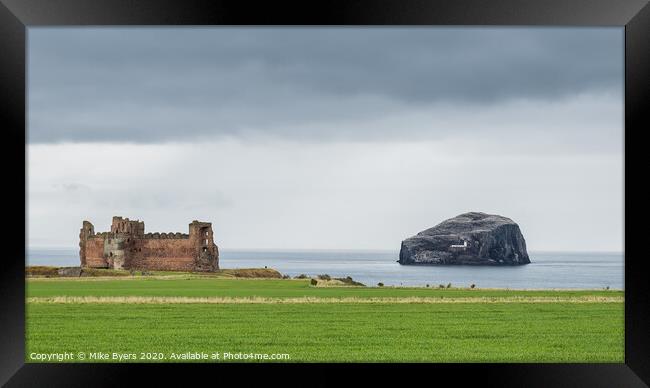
469	332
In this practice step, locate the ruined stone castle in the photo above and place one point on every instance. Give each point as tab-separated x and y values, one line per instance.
126	246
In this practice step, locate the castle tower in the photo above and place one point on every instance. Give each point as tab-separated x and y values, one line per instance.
125	226
87	230
121	240
206	251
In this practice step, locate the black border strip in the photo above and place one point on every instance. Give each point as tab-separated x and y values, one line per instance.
637	281
16	15
12	108
332	12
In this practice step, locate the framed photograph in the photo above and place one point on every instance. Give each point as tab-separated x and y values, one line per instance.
294	191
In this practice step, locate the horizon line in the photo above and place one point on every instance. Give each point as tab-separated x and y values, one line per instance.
240	249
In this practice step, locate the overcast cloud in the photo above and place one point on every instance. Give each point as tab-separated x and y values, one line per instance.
173	84
327	137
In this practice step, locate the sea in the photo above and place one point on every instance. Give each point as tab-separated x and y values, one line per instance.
547	270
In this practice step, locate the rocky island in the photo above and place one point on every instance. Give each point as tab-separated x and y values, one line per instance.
473	238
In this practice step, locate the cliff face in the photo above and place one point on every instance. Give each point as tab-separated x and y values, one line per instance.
471	238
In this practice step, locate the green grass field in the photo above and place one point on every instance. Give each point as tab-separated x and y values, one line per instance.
504	330
277	288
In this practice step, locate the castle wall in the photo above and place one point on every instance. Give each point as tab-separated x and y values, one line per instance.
176	254
115	251
95	253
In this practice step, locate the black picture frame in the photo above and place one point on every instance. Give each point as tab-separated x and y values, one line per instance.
17	15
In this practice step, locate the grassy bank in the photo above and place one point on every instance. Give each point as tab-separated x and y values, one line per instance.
193	286
55	272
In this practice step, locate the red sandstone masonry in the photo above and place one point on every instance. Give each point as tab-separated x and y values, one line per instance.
127	246
167	254
95	253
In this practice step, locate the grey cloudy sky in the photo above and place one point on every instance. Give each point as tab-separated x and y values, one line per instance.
326	137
